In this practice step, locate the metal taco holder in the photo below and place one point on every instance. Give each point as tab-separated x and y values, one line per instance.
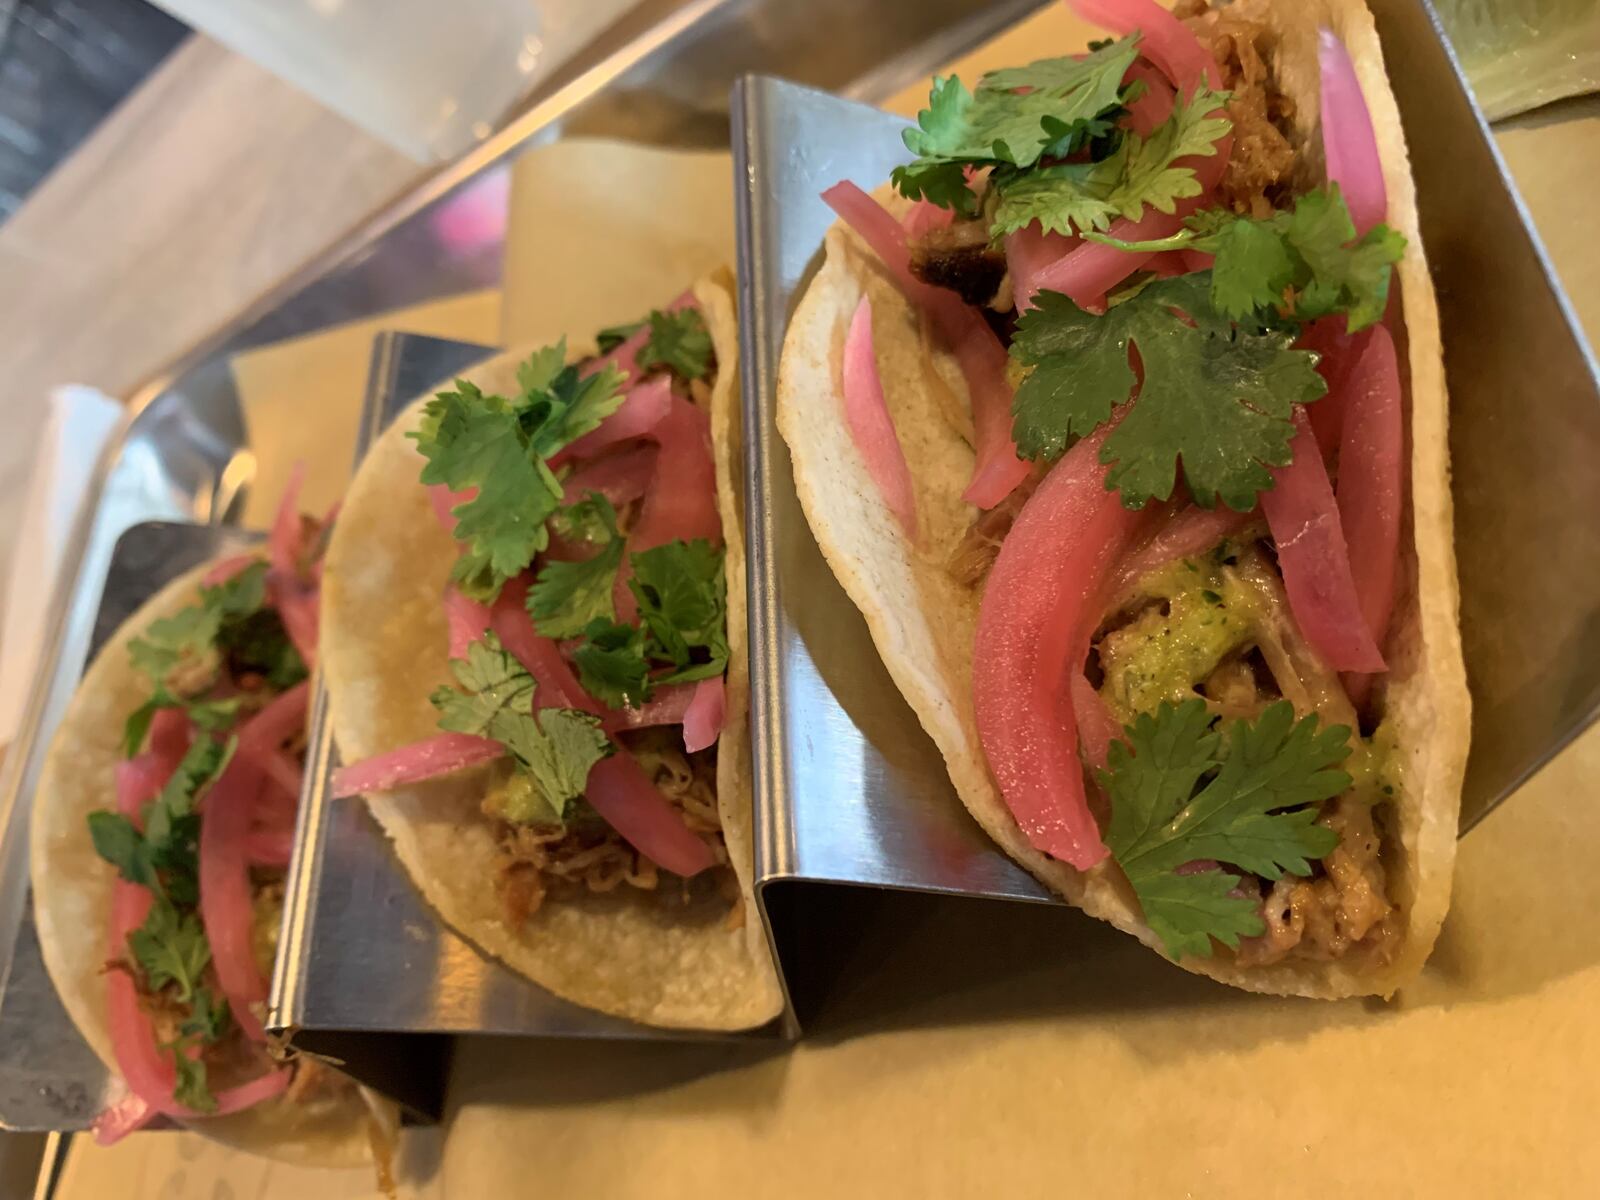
659	76
852	799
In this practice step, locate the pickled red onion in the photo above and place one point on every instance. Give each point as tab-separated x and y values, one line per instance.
1097	728
621	477
926	216
284	540
871	427
1164	39
226	908
1337	351
1091	269
557	687
1315	558
225	569
681	501
444	501
620	792
466	620
1371	481
126	1114
1191	530
139	780
1348	142
1034	625
702	722
1155	106
269	847
667	706
978	351
645	406
441	754
170	734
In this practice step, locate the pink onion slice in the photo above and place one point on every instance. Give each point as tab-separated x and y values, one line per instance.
645	407
1315	558
1371	484
621	478
1190	531
978	350
668	706
1086	273
269	847
1097	728
871	427
226	908
170	735
681	501
283	542
1337	352
1155	106
466	619
625	355
126	1114
441	754
282	718
620	792
1164	39
702	722
926	216
557	687
1348	142
1034	624
225	569
444	501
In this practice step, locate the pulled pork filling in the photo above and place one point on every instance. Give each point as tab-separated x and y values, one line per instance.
539	862
1258	174
1219	627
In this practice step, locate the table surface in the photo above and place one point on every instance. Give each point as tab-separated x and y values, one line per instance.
215	181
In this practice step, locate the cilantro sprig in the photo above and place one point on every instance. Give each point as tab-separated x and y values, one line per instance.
1215	398
554	749
1072	197
680	342
1067	104
1294	265
501	446
566	596
682	633
169	951
183	655
1183	791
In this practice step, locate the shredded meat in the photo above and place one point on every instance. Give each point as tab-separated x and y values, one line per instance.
1346	910
962	258
1263	159
587	855
974	555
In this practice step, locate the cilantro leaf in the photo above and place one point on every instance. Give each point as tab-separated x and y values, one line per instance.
258	643
555	748
208	1017
171	948
191	1089
1216	399
568	595
118	842
1142	172
611	664
680	342
1300	264
613	336
682	595
500	446
492	682
185	638
1181	792
1068	104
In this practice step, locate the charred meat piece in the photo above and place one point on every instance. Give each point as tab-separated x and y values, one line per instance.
962	259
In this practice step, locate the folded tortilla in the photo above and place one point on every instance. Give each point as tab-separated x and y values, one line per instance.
923	621
72	888
384	649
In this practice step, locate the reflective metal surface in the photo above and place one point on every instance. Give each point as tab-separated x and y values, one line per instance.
1524	430
361	950
849	789
49	1077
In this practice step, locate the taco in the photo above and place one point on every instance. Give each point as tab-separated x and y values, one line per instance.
1107	417
534	645
161	834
